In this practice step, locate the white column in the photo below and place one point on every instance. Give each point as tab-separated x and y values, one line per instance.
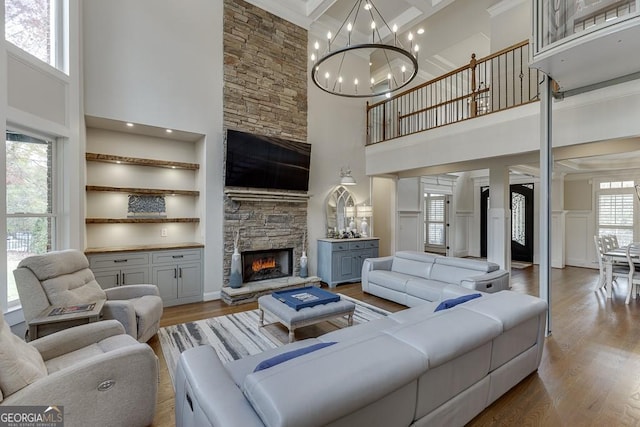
546	167
499	218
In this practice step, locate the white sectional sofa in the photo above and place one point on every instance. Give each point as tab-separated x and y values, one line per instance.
415	367
413	278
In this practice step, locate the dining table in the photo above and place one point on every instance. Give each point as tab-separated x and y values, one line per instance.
613	256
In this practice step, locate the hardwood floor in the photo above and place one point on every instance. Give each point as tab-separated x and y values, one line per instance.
590	370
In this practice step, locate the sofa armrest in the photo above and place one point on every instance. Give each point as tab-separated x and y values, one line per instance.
489	282
72	339
119	386
370	264
124	312
206	395
131	291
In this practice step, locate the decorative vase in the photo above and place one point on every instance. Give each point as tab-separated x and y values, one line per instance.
303	265
235	277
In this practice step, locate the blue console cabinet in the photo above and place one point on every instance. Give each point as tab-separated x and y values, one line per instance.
340	260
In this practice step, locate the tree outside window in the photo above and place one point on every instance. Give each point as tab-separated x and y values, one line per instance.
34	26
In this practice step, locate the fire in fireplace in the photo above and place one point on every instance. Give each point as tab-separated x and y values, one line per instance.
267	264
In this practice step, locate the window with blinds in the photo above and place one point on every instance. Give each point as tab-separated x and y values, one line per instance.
434	215
615	211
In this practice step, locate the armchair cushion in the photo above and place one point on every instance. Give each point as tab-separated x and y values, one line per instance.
131	291
65	277
20	363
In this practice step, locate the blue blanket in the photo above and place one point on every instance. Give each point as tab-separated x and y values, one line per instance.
283	357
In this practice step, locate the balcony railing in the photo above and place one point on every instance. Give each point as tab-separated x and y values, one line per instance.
497	82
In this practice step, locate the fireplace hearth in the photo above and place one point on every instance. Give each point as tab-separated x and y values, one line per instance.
267	264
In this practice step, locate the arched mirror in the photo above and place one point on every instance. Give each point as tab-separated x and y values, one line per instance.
341	210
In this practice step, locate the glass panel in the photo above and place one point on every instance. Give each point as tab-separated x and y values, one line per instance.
560	19
30	222
436	234
28	26
518	218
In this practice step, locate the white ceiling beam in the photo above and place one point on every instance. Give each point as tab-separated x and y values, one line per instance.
317	8
294	11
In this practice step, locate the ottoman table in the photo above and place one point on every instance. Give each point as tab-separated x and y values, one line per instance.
294	319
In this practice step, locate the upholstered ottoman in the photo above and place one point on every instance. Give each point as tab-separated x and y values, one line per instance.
294	319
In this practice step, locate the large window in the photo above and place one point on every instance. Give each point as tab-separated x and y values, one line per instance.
615	210
36	26
30	201
435	217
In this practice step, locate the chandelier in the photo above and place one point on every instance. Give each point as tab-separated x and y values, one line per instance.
356	62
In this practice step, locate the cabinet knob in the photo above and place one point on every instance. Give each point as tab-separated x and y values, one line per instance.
177	256
118	261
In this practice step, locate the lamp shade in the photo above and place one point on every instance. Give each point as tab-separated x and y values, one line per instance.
350	211
365	211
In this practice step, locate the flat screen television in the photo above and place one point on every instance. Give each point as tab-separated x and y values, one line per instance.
259	161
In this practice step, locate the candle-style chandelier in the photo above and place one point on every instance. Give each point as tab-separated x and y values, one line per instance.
354	67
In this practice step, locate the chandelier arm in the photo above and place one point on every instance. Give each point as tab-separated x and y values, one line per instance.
356	6
344	54
373	6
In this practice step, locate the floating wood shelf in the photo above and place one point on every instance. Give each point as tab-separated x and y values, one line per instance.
148	191
139	220
108	158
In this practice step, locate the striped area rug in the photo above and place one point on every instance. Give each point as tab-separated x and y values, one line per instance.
237	335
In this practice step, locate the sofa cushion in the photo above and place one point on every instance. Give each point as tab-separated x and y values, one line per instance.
413	263
292	354
390	280
454	270
428	290
20	363
449	303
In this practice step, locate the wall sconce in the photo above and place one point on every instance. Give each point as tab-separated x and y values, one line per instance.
345	176
364	212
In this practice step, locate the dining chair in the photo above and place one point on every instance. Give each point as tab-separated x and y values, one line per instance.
633	258
604	244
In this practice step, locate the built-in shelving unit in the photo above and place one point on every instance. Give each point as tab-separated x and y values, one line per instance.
146	163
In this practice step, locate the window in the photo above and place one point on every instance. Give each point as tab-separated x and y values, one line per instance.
434	215
30	201
615	210
37	27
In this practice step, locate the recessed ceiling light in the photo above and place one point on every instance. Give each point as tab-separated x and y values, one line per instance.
169	131
130	125
420	31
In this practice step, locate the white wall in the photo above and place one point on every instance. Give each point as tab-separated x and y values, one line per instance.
160	63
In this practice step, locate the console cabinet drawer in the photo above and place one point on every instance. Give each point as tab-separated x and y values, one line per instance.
119	260
176	256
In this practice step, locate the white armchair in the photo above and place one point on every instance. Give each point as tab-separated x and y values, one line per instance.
96	372
63	278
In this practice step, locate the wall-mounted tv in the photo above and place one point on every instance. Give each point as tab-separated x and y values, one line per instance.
259	161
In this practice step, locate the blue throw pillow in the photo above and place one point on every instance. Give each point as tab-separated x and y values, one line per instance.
283	357
448	303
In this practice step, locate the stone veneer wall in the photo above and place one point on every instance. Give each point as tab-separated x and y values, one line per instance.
265	92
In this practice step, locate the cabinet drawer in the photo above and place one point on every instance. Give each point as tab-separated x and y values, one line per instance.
371	244
176	256
120	260
356	245
339	246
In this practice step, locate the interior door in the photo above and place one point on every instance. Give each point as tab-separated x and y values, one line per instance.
521	221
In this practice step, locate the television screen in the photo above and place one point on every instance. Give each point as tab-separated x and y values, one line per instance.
266	162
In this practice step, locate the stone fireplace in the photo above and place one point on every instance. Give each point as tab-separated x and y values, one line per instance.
267	264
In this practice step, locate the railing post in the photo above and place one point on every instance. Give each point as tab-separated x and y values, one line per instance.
384	121
474	102
368	127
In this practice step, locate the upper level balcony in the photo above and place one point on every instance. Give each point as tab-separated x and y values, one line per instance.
581	43
495	83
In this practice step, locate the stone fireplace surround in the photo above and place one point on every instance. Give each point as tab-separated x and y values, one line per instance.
265	223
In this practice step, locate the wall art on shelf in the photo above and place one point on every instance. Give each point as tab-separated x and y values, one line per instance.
141	206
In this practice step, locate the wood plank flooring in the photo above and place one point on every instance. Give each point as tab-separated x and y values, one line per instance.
590	370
